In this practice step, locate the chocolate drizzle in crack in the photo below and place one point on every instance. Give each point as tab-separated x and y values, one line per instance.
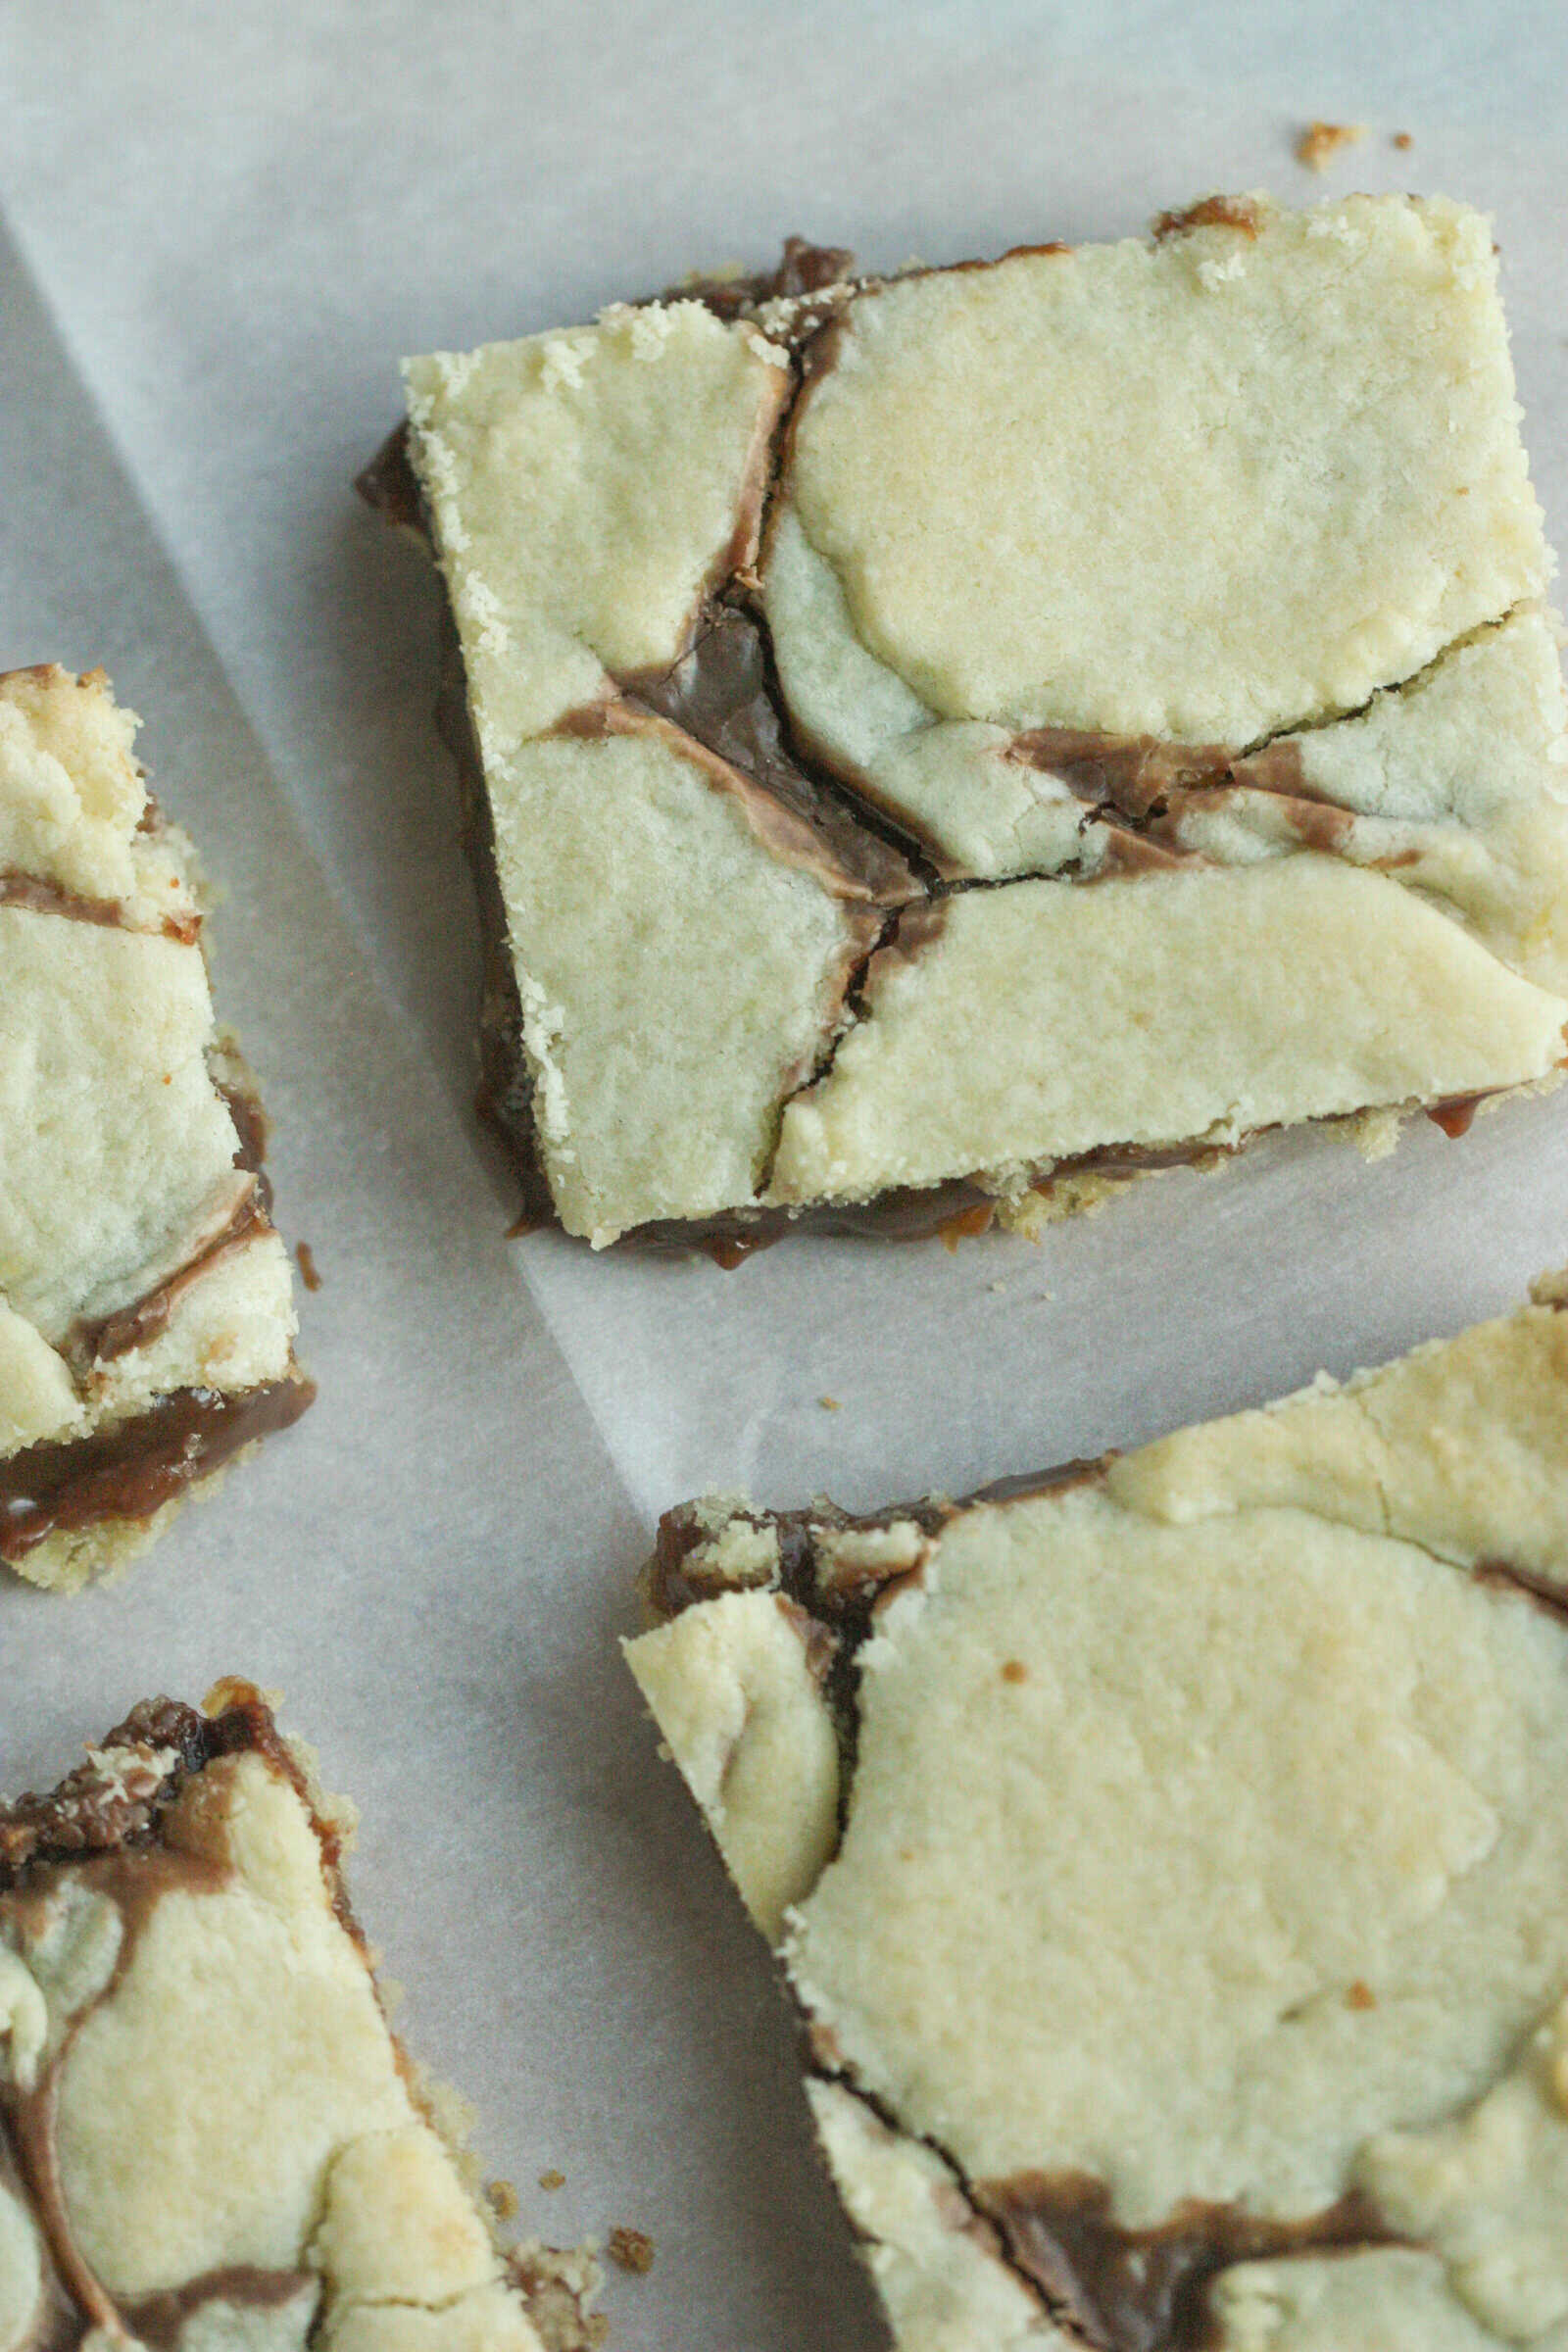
40	896
146	1318
803	269
724	694
1143	789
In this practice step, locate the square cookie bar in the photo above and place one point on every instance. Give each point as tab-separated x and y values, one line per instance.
146	1308
940	746
209	2136
1169	1860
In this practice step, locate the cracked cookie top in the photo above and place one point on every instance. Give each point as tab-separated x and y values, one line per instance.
208	2135
1169	1861
1204	569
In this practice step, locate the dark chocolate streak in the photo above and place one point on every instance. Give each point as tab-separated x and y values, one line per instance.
157	2321
390	485
146	1318
51	898
1538	1589
1143	789
39	897
1147	2290
132	1469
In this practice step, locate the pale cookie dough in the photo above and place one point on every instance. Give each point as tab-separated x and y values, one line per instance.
1169	1859
210	2141
146	1309
1186	593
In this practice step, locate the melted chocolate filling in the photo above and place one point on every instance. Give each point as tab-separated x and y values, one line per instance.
1147	2290
723	695
132	1470
1143	789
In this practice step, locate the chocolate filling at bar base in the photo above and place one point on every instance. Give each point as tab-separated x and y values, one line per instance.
130	1471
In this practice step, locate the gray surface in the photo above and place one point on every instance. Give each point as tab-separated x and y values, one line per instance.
220	227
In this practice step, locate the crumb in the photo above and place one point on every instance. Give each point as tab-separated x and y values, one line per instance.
1403	140
631	2249
308	1268
552	2178
1013	1670
1319	140
1361	1996
598	2328
830	1404
503	2198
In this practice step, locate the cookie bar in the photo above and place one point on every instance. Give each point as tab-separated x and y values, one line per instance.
146	1310
1169	1859
209	2136
943	745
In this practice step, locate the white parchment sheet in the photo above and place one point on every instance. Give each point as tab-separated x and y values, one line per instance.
218	229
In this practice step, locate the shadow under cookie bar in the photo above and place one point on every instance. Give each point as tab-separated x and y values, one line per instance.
146	1315
1193	735
1166	1857
181	1974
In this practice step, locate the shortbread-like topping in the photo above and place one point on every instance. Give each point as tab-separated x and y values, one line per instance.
1191	1966
1197	452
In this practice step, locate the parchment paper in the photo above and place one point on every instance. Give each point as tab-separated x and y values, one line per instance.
218	229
